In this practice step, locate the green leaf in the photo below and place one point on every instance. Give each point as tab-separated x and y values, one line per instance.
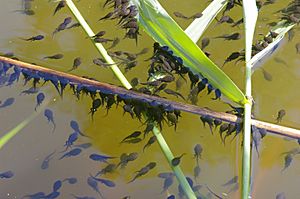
250	17
199	25
281	29
159	25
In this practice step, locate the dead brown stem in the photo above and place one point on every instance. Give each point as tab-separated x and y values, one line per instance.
272	128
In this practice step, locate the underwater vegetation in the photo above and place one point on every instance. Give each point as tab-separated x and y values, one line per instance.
170	72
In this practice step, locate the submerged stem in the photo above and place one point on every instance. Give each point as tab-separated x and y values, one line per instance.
177	171
9	135
246	171
166	150
99	46
250	16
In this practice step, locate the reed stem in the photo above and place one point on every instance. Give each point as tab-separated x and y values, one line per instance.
163	145
250	16
177	170
9	135
99	46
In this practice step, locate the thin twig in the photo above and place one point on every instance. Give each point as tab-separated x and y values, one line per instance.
272	128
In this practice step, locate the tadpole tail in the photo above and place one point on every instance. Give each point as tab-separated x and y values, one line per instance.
83	135
211	130
54	126
64	150
217	196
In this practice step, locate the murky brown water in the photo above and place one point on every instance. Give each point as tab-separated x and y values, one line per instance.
24	153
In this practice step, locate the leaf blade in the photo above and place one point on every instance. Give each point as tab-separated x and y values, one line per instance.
158	24
281	28
198	26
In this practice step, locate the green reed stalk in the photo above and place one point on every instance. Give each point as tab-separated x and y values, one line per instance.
250	16
177	170
160	139
9	135
247	138
99	46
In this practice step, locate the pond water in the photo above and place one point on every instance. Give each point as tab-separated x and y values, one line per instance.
25	153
